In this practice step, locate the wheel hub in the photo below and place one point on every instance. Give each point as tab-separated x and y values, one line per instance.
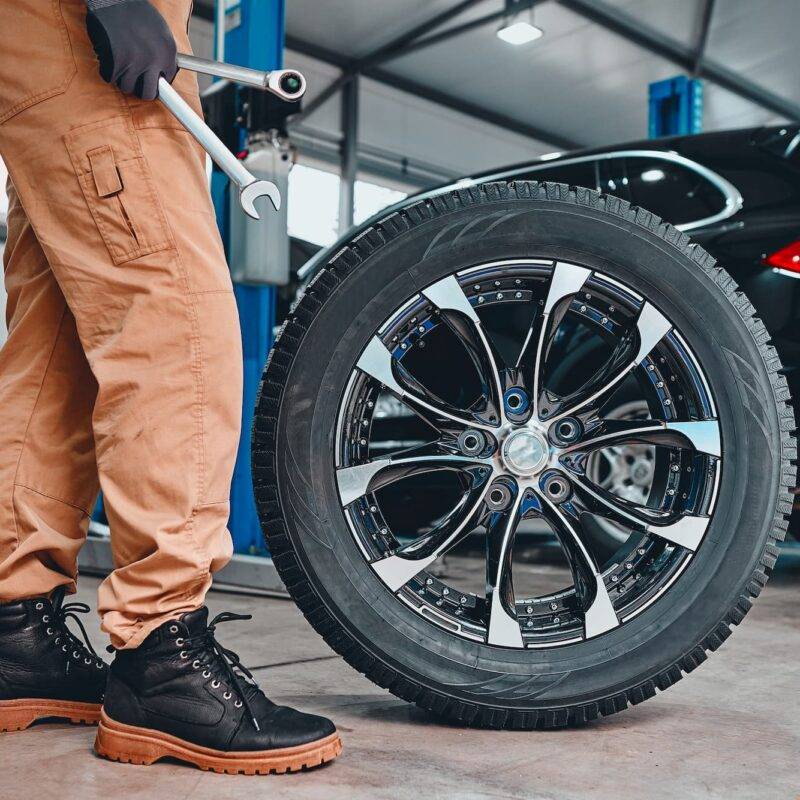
525	452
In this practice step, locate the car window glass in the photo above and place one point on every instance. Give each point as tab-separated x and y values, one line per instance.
675	192
613	176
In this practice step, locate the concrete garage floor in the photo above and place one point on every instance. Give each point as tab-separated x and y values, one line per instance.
731	730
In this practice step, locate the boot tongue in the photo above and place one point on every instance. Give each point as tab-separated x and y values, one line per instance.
196	621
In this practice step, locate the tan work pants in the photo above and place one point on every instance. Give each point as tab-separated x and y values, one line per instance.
122	367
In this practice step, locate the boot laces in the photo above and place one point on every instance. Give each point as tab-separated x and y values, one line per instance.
221	663
61	613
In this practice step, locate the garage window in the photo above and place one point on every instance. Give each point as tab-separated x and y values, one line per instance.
370	198
313	210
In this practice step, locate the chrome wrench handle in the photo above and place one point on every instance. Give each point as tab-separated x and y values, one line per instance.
250	188
287	84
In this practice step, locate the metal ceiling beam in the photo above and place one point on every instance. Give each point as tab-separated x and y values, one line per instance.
347	185
355	66
685	57
702	36
436	96
380	54
404	40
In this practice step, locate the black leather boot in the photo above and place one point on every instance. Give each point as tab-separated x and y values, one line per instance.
45	670
181	694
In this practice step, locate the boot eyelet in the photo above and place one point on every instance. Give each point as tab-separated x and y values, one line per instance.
64	648
39	606
173	628
99	665
227	695
76	655
196	664
58	640
179	642
206	674
215	684
45	618
50	631
184	654
87	661
238	704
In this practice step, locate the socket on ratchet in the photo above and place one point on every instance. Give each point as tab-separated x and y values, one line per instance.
287	84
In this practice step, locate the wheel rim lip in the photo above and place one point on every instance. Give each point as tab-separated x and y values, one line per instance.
631	295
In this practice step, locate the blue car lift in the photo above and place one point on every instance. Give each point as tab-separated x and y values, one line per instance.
675	107
254	35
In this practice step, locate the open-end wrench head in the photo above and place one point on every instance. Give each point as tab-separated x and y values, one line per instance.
250	193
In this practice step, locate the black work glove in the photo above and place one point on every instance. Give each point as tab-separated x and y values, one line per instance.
133	43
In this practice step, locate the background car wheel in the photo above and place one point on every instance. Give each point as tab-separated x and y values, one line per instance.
465	308
625	470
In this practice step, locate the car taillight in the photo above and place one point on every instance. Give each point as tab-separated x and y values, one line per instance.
786	258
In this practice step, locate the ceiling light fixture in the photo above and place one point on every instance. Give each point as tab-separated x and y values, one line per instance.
517	31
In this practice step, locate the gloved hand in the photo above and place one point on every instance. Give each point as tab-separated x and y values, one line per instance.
133	44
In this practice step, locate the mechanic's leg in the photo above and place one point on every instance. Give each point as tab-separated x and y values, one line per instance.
117	196
48	476
48	483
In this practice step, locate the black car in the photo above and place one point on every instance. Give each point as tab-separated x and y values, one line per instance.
737	193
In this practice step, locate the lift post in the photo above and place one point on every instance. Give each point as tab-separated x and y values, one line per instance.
253	37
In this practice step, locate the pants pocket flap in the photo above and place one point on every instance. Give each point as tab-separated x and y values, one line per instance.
104	171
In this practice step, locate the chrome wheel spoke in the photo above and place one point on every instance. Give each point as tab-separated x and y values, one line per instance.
590	589
682	528
699	435
650	328
377	362
502	624
461	318
566	280
397	569
358	480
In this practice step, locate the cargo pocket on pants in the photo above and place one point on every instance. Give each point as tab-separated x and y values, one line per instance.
116	183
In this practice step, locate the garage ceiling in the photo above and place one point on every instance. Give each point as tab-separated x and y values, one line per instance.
585	82
582	82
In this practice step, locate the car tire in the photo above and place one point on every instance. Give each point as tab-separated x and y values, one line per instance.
472	682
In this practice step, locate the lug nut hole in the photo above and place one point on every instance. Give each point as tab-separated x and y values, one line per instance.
557	488
566	431
499	497
516	401
471	442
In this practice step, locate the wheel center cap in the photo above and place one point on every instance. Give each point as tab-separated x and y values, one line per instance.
525	452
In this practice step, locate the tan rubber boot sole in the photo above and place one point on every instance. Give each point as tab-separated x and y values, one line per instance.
133	745
16	715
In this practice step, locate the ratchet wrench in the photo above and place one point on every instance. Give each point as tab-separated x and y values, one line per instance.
289	85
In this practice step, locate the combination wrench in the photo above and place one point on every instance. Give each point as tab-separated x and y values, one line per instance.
287	84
